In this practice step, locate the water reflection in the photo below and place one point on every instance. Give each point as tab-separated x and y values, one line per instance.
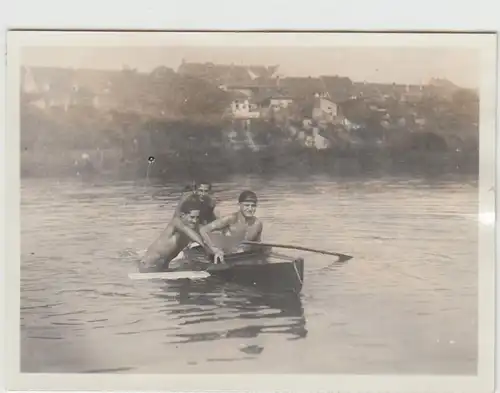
208	302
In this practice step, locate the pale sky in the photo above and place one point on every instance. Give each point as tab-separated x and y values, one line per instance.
383	64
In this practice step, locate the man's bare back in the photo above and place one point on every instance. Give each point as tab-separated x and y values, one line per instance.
165	248
175	238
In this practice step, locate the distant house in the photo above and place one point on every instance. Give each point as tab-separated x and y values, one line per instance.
302	88
324	109
248	91
280	102
412	94
275	101
241	108
440	87
381	92
339	88
313	139
50	87
162	72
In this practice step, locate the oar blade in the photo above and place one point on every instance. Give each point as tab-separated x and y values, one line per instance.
343	258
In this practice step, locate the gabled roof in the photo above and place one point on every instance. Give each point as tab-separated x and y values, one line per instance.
339	88
237	95
224	73
302	87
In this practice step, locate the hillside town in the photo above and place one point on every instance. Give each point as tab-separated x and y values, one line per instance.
251	109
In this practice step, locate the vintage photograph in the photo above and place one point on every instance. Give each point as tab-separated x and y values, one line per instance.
255	203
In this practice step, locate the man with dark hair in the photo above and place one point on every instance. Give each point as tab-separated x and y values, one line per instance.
200	193
241	225
181	231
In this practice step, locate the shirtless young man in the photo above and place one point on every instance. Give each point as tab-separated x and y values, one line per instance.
181	231
242	225
201	193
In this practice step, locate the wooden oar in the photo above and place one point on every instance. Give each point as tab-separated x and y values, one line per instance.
342	257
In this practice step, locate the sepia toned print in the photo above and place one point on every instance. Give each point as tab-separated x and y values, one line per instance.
243	203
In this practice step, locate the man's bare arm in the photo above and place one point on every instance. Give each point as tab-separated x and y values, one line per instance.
191	234
216	225
180	226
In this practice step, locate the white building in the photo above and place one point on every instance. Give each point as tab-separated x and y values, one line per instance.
242	109
280	102
324	109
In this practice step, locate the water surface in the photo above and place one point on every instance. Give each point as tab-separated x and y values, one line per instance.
405	303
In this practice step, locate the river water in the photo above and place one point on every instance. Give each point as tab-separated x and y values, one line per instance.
406	302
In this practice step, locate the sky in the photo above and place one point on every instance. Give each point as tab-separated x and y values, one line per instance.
403	65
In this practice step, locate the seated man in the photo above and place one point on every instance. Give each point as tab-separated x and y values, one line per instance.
175	238
241	225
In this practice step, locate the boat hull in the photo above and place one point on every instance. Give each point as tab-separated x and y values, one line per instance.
263	270
279	277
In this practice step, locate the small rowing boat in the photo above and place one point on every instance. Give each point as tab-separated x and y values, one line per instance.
258	267
256	264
